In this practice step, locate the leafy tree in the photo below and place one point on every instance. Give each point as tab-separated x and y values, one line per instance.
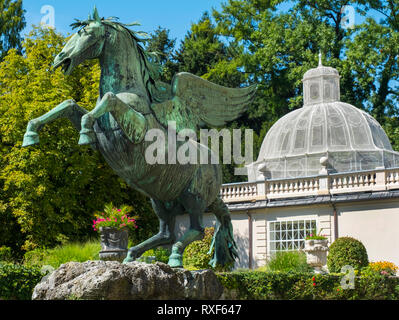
277	49
375	52
12	22
274	48
164	46
49	192
201	48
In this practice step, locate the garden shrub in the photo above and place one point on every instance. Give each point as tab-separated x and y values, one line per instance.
35	257
48	194
5	254
384	267
196	257
346	251
287	261
78	252
154	255
17	281
259	285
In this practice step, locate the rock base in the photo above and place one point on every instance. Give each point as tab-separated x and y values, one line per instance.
111	280
114	255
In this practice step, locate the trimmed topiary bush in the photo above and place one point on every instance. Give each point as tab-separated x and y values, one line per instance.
346	251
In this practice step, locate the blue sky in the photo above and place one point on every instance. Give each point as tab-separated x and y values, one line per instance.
176	15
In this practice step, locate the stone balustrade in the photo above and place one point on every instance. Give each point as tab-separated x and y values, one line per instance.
351	182
233	192
292	187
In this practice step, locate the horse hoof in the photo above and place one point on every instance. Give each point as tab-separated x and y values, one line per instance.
30	138
130	257
87	137
176	260
127	260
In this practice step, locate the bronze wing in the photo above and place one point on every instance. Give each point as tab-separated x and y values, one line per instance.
197	102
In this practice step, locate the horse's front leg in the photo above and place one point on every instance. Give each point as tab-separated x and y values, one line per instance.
132	123
68	109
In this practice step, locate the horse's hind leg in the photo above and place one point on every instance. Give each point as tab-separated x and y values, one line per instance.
163	237
195	206
67	109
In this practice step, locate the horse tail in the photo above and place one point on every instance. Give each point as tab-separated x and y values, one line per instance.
223	240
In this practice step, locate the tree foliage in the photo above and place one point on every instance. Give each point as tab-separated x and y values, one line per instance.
273	43
161	44
50	192
12	21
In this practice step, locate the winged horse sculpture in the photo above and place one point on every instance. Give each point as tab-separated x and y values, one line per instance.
131	102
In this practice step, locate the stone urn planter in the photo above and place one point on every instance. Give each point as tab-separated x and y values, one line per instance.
113	243
316	253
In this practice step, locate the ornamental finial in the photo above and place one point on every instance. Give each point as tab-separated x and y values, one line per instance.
320	64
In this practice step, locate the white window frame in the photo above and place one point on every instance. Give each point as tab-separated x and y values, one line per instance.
287	239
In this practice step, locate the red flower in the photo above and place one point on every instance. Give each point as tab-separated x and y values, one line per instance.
314	279
314	284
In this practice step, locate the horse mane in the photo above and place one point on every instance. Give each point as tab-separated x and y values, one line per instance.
149	61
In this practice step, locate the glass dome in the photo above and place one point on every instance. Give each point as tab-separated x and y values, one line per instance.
350	138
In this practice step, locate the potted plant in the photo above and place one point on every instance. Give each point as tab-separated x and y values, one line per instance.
113	225
316	247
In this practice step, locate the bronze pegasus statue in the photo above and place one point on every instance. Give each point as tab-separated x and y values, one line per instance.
131	102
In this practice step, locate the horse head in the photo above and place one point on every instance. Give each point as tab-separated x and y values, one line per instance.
118	47
87	43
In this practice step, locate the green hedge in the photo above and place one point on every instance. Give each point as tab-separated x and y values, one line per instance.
257	285
17	281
